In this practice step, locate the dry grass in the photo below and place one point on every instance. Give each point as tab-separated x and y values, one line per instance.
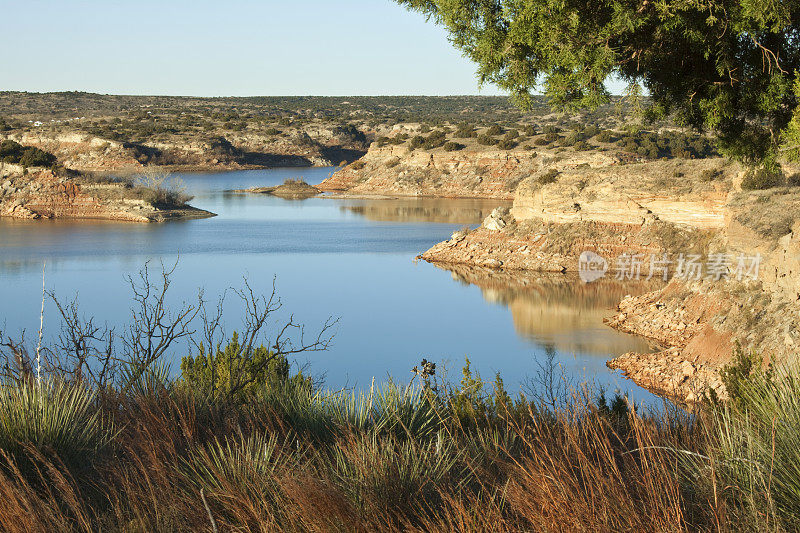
496	468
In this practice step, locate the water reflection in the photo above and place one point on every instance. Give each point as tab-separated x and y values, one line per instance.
441	210
350	258
558	309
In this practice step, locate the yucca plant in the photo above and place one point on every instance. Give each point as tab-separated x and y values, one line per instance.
386	473
53	416
244	474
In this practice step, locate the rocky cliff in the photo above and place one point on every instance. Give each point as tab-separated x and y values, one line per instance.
473	172
694	208
39	193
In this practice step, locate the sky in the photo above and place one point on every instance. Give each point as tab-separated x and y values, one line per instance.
228	48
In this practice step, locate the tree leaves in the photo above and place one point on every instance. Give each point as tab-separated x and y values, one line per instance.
723	65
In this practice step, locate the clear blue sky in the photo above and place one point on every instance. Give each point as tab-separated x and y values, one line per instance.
228	48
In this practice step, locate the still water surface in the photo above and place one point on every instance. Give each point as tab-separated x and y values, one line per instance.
351	259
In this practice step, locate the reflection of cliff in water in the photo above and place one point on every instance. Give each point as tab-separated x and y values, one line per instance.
558	309
442	210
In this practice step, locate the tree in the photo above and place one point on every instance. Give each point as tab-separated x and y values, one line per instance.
728	66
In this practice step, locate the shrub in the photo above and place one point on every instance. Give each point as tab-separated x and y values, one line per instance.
590	131
392	162
486	140
710	174
358	164
416	142
530	130
435	140
157	187
506	144
551	136
793	180
758	445
465	131
495	129
27	156
763	178
605	136
452	146
548	177
541	141
571	138
231	373
272	131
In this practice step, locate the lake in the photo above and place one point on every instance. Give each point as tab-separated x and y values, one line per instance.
347	258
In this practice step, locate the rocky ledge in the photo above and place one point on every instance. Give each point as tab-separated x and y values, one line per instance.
652	209
41	194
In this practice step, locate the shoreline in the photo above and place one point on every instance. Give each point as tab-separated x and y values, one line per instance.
670	371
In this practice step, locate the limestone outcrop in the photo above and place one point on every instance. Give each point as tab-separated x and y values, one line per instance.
41	194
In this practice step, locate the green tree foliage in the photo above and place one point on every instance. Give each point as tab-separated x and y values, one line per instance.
725	65
231	372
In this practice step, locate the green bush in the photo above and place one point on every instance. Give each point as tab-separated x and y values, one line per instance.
590	131
27	156
763	178
436	139
465	130
233	372
486	140
605	136
581	146
452	146
571	138
358	165
551	136
495	129
417	141
507	144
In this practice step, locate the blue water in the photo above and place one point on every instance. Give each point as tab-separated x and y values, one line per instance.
351	259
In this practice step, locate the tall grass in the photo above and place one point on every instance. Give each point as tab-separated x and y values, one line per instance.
424	457
758	449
